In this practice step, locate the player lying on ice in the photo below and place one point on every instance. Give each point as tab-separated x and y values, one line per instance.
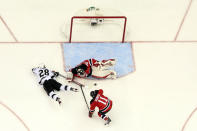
102	102
46	78
95	69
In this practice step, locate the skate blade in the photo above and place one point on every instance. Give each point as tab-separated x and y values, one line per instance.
107	123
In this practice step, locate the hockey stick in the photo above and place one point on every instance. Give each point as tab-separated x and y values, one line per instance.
77	83
84	98
80	85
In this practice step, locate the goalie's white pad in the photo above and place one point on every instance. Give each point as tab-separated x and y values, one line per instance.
109	62
104	64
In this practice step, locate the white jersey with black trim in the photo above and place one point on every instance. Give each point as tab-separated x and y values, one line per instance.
43	74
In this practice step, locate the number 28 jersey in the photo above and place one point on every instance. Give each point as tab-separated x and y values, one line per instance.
43	74
102	102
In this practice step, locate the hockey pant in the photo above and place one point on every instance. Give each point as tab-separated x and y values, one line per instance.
51	85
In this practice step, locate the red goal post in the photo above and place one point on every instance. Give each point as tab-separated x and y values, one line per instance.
99	17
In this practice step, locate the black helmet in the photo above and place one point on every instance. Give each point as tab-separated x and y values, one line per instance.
74	71
93	93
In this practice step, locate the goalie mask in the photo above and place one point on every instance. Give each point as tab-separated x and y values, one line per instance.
80	70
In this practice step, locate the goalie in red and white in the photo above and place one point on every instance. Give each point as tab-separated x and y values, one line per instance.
95	69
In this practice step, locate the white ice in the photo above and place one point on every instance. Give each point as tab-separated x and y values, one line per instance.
159	96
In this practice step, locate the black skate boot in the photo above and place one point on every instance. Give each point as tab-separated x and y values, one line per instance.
58	100
108	121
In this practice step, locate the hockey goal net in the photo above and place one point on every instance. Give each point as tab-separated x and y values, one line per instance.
96	25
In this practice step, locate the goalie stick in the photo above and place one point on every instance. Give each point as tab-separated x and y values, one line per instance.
80	85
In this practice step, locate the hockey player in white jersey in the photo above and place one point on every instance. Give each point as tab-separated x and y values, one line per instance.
46	78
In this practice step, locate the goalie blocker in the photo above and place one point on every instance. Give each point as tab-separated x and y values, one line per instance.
95	69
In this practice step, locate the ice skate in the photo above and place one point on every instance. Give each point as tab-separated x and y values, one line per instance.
113	75
108	121
59	101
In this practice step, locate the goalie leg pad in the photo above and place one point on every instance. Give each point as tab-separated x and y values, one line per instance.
99	73
112	75
110	62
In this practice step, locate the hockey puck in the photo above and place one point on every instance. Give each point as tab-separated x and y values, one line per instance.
95	84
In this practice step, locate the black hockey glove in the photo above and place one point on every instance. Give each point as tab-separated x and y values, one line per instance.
56	74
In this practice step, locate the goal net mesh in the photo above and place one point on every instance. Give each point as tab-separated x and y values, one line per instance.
96	25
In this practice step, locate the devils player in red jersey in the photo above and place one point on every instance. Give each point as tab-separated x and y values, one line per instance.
102	102
94	68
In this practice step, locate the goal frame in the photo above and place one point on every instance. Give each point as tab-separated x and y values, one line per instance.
102	17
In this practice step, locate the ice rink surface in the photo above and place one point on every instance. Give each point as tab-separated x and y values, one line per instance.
159	96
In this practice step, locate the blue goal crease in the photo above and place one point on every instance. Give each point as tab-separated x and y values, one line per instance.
75	53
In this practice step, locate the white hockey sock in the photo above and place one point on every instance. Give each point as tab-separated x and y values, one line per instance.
53	95
65	88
